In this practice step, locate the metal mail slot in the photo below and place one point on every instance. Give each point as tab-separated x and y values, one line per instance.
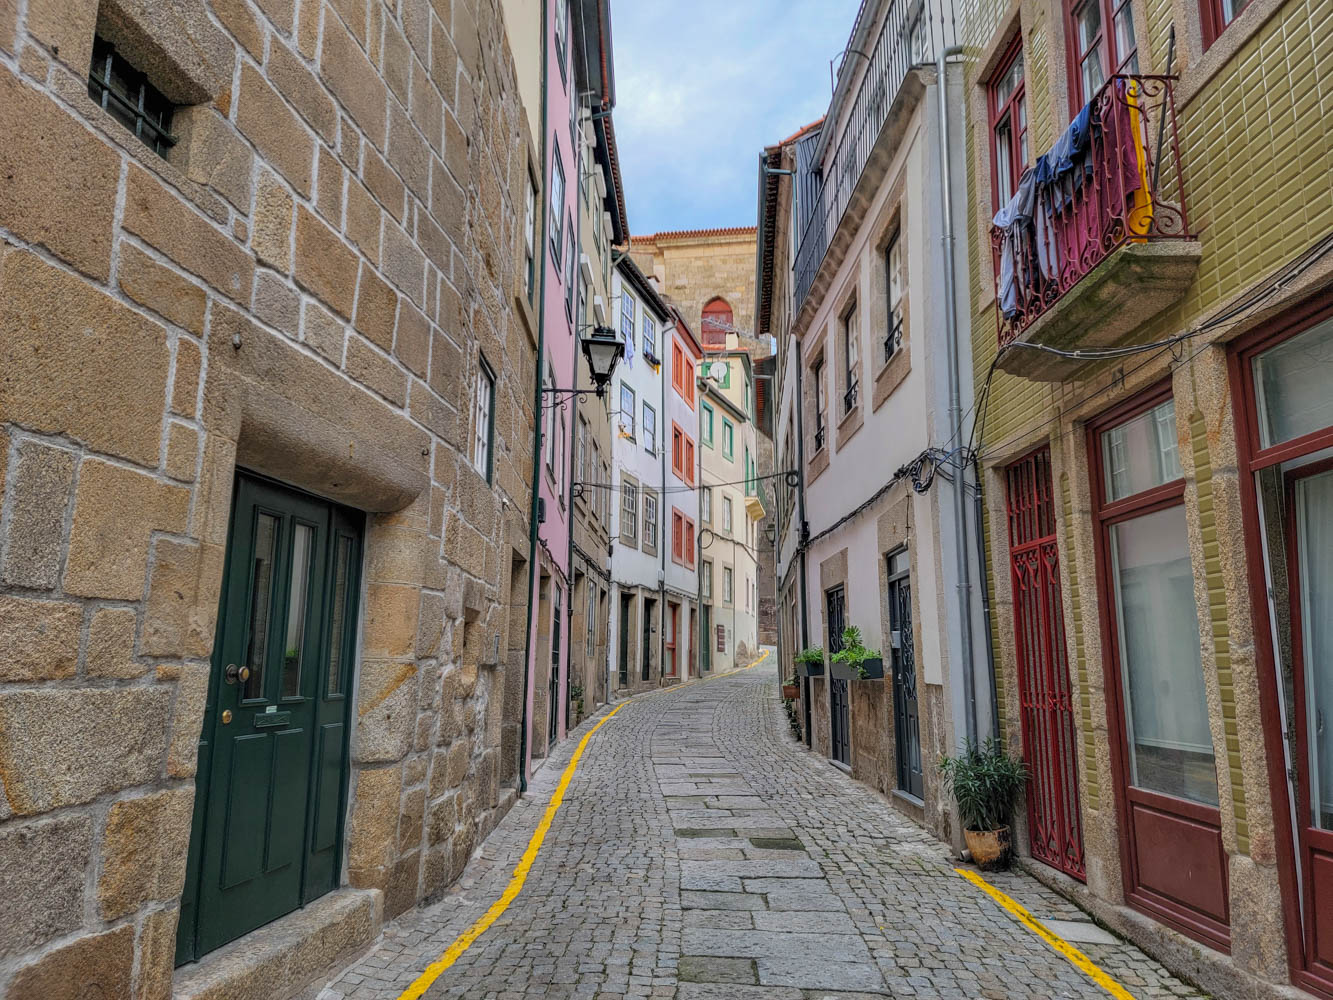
270	720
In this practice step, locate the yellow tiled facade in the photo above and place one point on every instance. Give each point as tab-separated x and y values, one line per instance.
1257	160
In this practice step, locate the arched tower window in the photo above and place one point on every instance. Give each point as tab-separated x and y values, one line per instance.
716	322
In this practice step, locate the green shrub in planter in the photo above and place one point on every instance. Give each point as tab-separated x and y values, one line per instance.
854	661
810	662
985	782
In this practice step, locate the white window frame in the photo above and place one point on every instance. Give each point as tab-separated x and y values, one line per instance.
483	410
556	221
650	519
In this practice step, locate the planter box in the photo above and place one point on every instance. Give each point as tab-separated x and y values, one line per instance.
790	692
809	670
874	670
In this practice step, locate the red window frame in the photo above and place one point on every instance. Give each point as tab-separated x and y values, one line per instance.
677	535
1110	58
689	460
688	379
1131	800
1214	19
1307	971
1011	109
688	545
677	367
677	449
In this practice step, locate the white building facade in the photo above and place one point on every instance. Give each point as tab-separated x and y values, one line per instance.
729	509
639	467
867	375
680	362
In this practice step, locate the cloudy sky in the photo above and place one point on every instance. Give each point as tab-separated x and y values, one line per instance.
702	86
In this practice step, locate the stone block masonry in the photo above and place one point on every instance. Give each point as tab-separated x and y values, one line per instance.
301	288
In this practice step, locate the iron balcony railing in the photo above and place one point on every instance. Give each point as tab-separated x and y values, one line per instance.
1125	186
904	41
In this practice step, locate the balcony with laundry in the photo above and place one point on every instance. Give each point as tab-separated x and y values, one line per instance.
1096	239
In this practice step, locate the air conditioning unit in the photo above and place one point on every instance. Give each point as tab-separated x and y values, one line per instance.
585	267
600	180
599	309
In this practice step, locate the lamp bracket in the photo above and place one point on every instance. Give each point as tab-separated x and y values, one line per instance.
562	396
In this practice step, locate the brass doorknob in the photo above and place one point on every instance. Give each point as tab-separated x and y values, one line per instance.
233	673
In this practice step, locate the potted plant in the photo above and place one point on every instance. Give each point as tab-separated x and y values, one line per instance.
790	691
985	782
810	662
855	662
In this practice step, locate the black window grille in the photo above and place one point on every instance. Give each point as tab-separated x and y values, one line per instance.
127	95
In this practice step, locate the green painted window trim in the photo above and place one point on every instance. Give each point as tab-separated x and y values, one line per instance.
708	424
728	438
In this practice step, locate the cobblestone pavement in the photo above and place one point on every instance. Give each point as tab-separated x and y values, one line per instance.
702	853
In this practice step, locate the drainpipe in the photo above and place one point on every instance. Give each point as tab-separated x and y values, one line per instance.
963	567
540	287
802	526
573	438
662	520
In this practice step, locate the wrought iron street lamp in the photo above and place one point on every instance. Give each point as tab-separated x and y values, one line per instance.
602	349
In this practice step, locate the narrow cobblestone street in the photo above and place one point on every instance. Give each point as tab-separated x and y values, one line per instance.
702	853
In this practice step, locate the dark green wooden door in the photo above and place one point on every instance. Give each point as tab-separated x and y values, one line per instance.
271	782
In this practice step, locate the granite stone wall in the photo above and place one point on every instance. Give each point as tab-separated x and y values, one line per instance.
302	287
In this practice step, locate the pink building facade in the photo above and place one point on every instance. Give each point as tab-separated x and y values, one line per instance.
548	646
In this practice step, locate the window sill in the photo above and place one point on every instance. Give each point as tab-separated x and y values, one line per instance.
816	464
890	375
1217	56
850	423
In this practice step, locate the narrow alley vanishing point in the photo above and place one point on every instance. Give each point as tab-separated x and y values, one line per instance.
702	853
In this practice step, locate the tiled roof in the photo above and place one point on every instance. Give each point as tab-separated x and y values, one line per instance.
686	234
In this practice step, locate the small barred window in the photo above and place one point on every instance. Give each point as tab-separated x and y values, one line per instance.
125	93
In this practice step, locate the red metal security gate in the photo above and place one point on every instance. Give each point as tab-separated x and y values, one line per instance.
1054	819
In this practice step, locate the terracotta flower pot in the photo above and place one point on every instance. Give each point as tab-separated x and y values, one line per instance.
790	692
989	848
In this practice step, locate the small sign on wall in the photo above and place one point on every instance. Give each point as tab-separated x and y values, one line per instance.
721	638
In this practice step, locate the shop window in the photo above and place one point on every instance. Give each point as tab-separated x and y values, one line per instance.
1169	747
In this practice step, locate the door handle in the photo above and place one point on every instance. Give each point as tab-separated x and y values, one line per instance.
233	673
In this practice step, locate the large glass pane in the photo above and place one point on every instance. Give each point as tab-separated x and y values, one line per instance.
1166	712
1141	453
342	567
1314	553
261	599
1292	383
302	541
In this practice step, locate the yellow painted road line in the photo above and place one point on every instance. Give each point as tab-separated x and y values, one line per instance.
464	941
1075	957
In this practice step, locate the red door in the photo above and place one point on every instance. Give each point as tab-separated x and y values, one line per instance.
1162	749
1054	821
1286	431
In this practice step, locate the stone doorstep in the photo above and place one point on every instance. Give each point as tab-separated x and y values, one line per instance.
280	959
